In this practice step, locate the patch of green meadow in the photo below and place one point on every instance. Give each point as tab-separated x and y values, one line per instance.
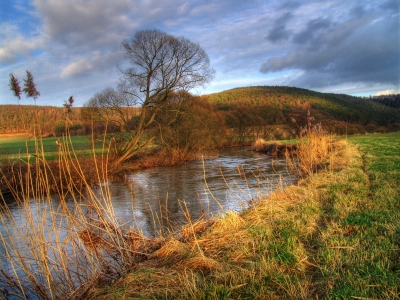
15	148
360	233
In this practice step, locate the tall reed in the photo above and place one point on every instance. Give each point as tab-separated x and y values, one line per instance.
67	238
61	242
313	147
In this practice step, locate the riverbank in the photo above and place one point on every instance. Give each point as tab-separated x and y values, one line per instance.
334	235
69	171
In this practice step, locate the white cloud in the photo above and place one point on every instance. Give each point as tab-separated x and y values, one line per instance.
12	43
388	92
78	67
96	61
6	56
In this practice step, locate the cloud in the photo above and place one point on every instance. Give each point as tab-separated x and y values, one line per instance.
12	44
97	61
391	5
387	92
289	5
324	45
312	31
279	31
362	48
82	24
76	68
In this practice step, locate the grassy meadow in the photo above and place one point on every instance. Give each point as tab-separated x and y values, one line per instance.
334	235
14	147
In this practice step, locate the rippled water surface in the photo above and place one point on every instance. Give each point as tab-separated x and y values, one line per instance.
157	196
152	201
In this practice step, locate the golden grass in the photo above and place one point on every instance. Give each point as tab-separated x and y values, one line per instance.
260	253
67	237
313	147
199	263
171	253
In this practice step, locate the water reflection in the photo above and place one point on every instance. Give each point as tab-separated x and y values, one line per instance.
151	200
154	198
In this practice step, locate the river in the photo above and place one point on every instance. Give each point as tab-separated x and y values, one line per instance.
154	199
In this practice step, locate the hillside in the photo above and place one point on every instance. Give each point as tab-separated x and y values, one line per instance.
21	118
250	112
282	105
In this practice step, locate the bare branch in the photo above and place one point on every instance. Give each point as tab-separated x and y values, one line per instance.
161	65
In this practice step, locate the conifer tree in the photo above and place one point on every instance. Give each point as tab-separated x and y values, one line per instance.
30	87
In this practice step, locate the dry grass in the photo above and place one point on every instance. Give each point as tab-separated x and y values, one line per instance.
171	253
258	145
290	245
66	237
156	157
294	244
261	253
313	147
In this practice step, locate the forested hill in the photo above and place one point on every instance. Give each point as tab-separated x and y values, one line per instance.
271	112
22	118
285	103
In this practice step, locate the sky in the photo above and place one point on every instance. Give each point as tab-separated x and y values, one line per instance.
73	47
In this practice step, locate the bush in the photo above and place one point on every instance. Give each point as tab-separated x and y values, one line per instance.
394	127
61	129
370	128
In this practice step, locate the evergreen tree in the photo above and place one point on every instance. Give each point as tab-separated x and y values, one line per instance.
14	86
30	87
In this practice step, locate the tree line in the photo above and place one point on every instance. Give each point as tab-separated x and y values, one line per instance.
392	100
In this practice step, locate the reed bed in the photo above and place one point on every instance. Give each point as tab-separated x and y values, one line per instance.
66	238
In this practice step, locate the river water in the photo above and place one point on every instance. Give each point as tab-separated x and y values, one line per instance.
156	198
152	201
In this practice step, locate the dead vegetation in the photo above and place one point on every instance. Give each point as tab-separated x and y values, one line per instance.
79	249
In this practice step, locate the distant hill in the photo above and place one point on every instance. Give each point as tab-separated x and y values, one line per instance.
282	105
250	112
392	100
22	118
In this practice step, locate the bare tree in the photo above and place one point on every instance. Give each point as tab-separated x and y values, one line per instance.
161	65
30	87
113	107
14	86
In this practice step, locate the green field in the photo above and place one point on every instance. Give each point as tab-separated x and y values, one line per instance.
13	148
364	224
